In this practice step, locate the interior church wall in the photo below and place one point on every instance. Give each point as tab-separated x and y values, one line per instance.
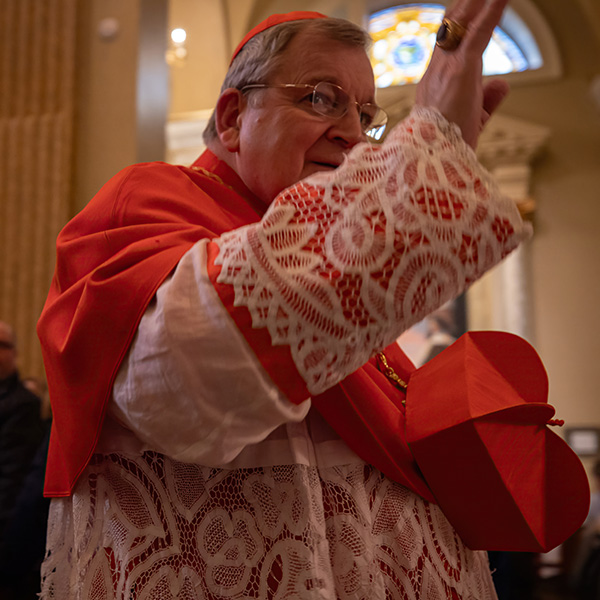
105	93
122	91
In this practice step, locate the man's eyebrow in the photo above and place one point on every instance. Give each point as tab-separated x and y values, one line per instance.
327	78
336	81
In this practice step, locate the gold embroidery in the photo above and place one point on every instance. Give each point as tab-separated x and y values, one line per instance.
384	367
212	176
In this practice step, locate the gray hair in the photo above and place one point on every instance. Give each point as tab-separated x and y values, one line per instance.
262	55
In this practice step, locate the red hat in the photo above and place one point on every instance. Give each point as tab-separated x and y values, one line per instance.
476	422
298	15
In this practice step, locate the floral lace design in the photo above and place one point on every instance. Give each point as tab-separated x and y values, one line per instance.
150	528
344	261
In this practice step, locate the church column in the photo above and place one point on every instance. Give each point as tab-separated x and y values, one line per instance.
502	300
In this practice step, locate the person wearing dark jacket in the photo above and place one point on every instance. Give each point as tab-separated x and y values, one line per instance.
21	434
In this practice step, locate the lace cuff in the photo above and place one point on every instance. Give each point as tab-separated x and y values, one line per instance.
344	261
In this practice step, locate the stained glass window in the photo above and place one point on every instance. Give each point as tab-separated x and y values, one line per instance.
404	38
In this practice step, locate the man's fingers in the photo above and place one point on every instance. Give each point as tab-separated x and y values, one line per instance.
464	11
479	18
483	25
453	81
494	92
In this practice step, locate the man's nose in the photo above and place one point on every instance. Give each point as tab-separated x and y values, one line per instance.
347	130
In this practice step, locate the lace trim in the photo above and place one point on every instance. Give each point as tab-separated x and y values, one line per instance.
344	261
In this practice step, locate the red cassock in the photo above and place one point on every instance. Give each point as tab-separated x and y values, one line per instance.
114	255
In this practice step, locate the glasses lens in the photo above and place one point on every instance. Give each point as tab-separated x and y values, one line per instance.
373	119
329	99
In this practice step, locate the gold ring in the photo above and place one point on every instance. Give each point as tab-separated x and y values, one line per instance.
450	35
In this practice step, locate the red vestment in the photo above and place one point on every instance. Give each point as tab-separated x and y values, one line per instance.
112	258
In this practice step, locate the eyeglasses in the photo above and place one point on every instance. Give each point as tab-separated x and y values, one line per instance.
330	100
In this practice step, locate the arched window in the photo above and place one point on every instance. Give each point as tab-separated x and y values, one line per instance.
404	38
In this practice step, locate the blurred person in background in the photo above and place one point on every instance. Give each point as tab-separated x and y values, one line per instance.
22	432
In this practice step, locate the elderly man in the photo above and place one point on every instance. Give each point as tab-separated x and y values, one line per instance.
211	334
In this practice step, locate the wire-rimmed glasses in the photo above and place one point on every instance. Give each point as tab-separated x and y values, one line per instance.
330	100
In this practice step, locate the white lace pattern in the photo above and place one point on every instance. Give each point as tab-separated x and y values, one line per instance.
151	528
344	261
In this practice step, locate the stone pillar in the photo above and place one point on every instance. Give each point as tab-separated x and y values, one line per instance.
502	300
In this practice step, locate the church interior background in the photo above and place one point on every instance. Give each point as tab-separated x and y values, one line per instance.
91	86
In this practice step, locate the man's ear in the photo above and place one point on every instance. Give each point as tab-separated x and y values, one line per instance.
230	105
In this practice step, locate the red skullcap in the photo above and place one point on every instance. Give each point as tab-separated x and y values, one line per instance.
298	15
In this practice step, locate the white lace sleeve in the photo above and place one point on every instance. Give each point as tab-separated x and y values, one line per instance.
344	261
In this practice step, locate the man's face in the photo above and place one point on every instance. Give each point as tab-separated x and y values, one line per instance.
8	352
281	139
